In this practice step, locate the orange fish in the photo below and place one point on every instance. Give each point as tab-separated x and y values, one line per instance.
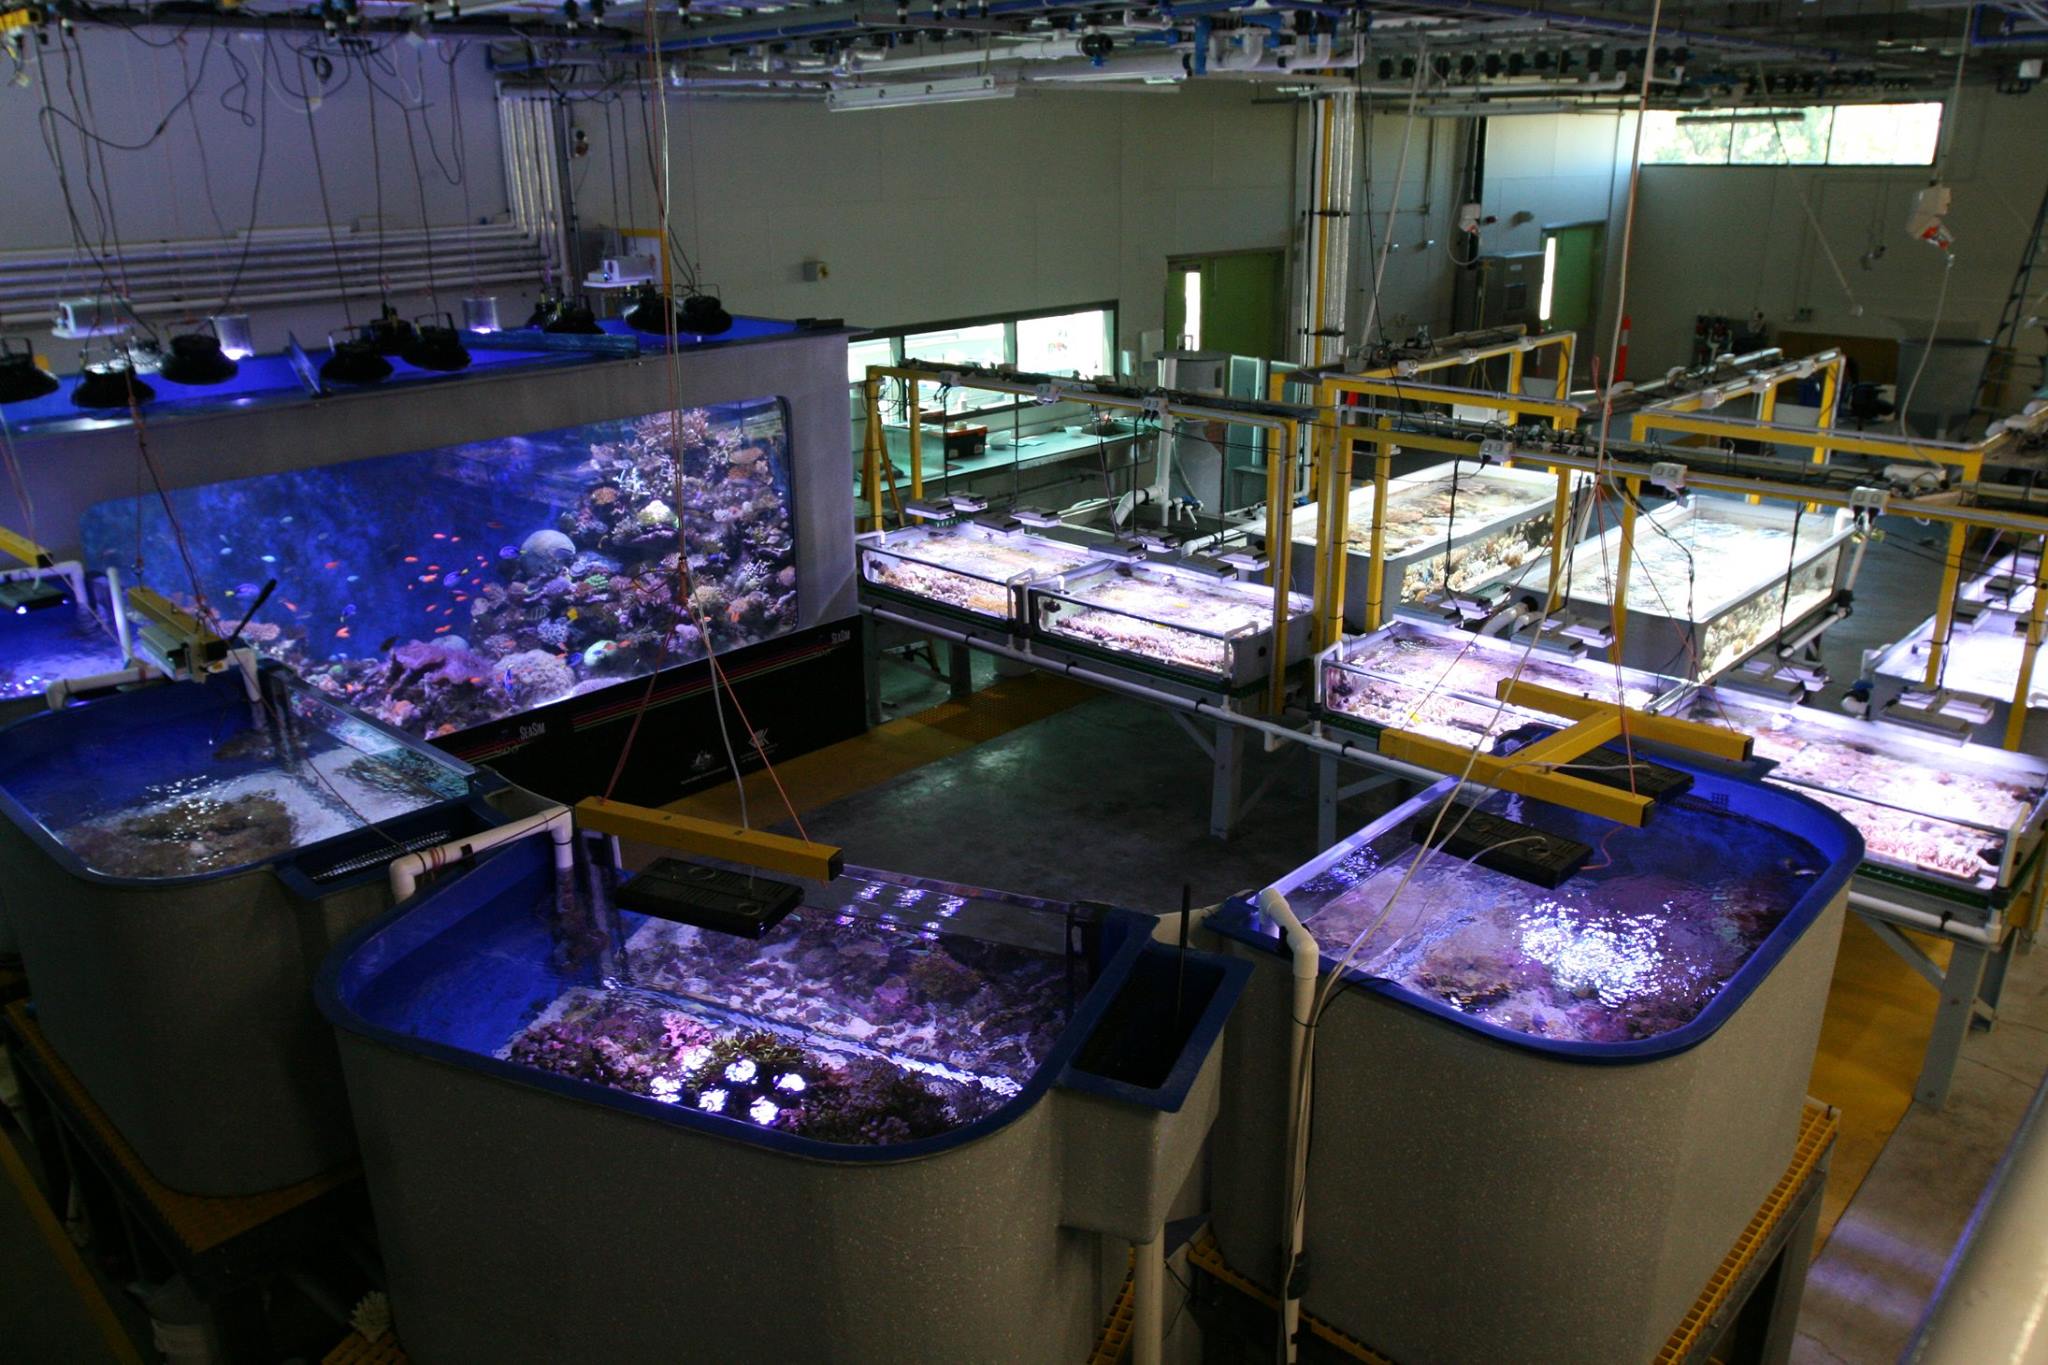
435	567
412	559
291	606
331	564
341	634
462	597
441	630
495	525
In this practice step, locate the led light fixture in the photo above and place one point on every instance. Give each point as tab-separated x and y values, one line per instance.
236	340
435	345
573	317
905	94
480	314
704	316
199	359
111	383
354	360
388	332
714	898
20	377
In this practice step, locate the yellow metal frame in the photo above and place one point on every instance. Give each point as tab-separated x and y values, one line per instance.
20	547
1534	770
711	838
1286	429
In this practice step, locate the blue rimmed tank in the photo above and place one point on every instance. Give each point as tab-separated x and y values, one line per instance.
1541	1117
175	861
914	1121
57	625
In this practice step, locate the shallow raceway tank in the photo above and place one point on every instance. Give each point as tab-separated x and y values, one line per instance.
1541	1117
914	1122
175	861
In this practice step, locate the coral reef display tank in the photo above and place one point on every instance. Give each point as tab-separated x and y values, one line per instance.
496	576
916	1095
491	560
1612	1071
175	860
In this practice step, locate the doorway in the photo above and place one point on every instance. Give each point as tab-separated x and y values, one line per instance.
1233	302
1573	256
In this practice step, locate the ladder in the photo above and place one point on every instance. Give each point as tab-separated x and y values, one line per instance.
2004	389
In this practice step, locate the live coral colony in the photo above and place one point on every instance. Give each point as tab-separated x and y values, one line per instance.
444	612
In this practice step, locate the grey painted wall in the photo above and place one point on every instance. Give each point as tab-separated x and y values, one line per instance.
1735	239
166	189
955	210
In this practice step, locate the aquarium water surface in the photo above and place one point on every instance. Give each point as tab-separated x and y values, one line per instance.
449	588
44	646
881	1010
1634	945
214	781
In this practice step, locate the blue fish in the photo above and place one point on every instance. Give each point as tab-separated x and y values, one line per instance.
247	589
504	552
451	577
227	549
353	577
349	610
270	559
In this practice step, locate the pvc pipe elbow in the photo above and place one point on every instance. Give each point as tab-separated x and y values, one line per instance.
1307	953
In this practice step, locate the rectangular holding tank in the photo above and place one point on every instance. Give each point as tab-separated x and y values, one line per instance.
54	625
1462	525
1197	627
1711	580
965	569
1982	660
175	861
1962	822
1540	1117
914	1122
1438	681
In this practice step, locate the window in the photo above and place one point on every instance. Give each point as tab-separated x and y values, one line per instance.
1078	343
1073	344
1806	135
1191	296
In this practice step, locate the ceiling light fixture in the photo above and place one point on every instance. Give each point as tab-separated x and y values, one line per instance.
906	94
20	377
198	359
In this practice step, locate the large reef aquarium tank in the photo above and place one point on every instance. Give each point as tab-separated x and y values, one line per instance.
915	1096
1573	1098
447	589
379	482
175	861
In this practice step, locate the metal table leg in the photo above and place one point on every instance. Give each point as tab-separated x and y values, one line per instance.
1959	987
960	671
871	667
1227	778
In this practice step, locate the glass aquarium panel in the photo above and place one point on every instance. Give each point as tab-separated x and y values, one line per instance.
1942	808
966	566
46	645
1175	617
449	588
1983	657
1435	521
1690	562
177	782
1384	704
882	1010
1736	632
1634	945
1476	665
2007	584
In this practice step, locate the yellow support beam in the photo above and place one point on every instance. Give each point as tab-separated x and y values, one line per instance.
2030	654
1716	741
1514	774
20	547
874	448
913	398
711	839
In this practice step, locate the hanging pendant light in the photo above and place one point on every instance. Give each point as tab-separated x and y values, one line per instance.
388	332
354	360
436	345
199	359
112	383
20	377
704	315
480	314
573	317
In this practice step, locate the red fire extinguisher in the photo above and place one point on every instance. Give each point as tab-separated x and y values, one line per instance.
1621	352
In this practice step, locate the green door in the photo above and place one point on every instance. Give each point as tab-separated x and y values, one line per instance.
1237	301
1571	267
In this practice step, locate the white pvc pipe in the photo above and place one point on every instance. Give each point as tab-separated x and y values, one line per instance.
1148	1290
64	689
1985	935
1307	963
407	870
118	605
1308	739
